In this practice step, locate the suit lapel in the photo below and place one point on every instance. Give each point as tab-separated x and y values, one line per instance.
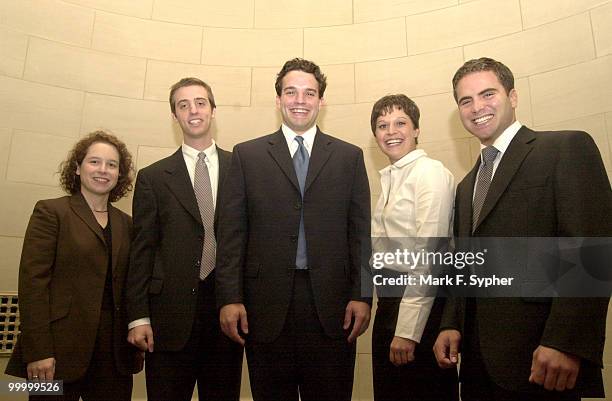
464	199
81	209
321	150
116	232
280	153
178	181
519	148
225	161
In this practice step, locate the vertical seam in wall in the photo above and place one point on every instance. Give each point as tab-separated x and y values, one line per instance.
8	157
251	94
354	82
592	34
406	34
353	11
303	42
521	12
93	28
253	15
82	113
152	9
608	136
25	59
144	85
202	46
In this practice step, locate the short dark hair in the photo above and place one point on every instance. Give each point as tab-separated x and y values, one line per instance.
386	104
503	73
190	81
299	64
70	181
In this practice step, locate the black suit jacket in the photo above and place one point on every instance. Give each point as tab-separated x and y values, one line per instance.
167	248
259	227
548	184
62	275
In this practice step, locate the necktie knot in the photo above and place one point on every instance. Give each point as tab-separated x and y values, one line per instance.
489	154
300	140
202	156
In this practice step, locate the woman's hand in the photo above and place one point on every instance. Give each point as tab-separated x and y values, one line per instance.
43	369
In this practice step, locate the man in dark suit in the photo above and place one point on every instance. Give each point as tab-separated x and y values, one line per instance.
525	184
293	237
171	284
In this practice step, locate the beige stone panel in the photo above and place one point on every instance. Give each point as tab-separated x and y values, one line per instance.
148	155
296	14
454	154
364	341
340	84
51	19
10	249
375	160
231	85
251	47
144	38
240	124
6	135
37	107
34	157
17	203
609	130
595	125
464	24
538	12
134	8
356	42
572	92
523	109
263	92
89	70
372	10
13	47
228	14
363	378
439	119
607	355
136	122
350	123
540	49
602	31
420	75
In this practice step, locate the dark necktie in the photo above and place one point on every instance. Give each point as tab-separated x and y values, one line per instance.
300	163
485	174
203	193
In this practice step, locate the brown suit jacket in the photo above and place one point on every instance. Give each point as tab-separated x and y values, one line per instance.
61	284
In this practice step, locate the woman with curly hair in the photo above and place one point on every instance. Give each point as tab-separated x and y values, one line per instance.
73	265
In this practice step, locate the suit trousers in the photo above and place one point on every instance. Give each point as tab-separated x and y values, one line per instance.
477	384
302	360
102	381
419	380
209	358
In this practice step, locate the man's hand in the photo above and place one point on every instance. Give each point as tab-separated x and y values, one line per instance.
553	369
141	337
446	348
43	369
230	316
358	313
401	351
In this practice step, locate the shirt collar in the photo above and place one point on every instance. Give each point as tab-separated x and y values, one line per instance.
503	141
406	160
193	153
308	136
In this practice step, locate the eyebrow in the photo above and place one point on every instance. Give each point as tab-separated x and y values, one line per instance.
479	94
186	100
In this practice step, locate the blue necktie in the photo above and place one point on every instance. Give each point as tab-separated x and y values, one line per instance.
300	163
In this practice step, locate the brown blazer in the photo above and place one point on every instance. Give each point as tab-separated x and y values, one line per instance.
61	283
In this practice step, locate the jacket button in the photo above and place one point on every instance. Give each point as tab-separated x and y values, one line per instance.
298	205
198	263
193	291
200	237
293	238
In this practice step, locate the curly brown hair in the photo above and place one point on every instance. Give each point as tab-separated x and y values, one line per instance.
71	182
307	66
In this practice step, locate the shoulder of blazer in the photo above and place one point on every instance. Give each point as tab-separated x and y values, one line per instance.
336	142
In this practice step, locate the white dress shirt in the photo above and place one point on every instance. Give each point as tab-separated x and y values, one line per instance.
416	202
309	137
190	155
